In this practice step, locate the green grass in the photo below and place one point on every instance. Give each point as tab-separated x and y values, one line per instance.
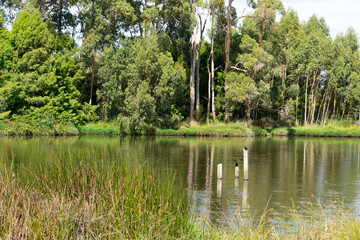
242	129
100	128
218	130
28	127
315	130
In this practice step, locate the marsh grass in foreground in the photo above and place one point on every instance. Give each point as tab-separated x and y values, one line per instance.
90	196
312	221
91	200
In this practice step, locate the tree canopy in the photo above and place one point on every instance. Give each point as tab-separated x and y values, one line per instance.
148	64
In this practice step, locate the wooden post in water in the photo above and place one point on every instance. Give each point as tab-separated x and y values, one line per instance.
219	188
246	164
245	195
236	182
219	170
237	170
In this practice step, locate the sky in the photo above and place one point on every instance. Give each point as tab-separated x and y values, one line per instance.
339	15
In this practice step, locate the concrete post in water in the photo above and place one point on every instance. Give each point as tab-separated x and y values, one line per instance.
219	171
246	164
237	170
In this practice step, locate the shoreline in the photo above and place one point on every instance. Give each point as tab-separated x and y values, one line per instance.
229	130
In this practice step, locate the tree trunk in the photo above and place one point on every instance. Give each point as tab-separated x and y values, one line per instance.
313	109
314	97
296	109
334	107
209	92
297	104
202	29
327	111
344	107
92	81
283	92
212	73
324	108
227	39
322	105
306	93
311	99
227	55
197	94
192	77
248	110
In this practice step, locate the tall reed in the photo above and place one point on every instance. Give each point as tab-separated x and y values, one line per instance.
91	199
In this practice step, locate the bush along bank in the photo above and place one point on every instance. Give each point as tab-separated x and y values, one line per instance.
26	127
243	130
37	128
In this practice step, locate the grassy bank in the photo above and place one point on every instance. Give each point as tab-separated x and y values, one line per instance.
332	129
100	128
218	130
87	199
240	129
28	127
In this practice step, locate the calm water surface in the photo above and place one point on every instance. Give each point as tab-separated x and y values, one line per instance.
282	171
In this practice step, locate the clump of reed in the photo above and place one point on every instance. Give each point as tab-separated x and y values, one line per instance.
100	128
310	221
91	200
219	130
87	194
316	221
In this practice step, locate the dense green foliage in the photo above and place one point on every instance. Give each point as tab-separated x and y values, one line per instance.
40	73
143	65
141	85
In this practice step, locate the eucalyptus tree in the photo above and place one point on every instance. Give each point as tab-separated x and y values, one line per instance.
343	73
193	65
141	85
256	54
285	41
318	54
265	14
227	26
243	90
102	24
202	20
355	94
211	70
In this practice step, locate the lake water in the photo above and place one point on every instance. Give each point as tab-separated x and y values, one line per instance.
283	172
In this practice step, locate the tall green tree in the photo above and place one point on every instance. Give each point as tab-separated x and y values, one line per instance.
42	81
141	85
286	40
318	54
343	73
